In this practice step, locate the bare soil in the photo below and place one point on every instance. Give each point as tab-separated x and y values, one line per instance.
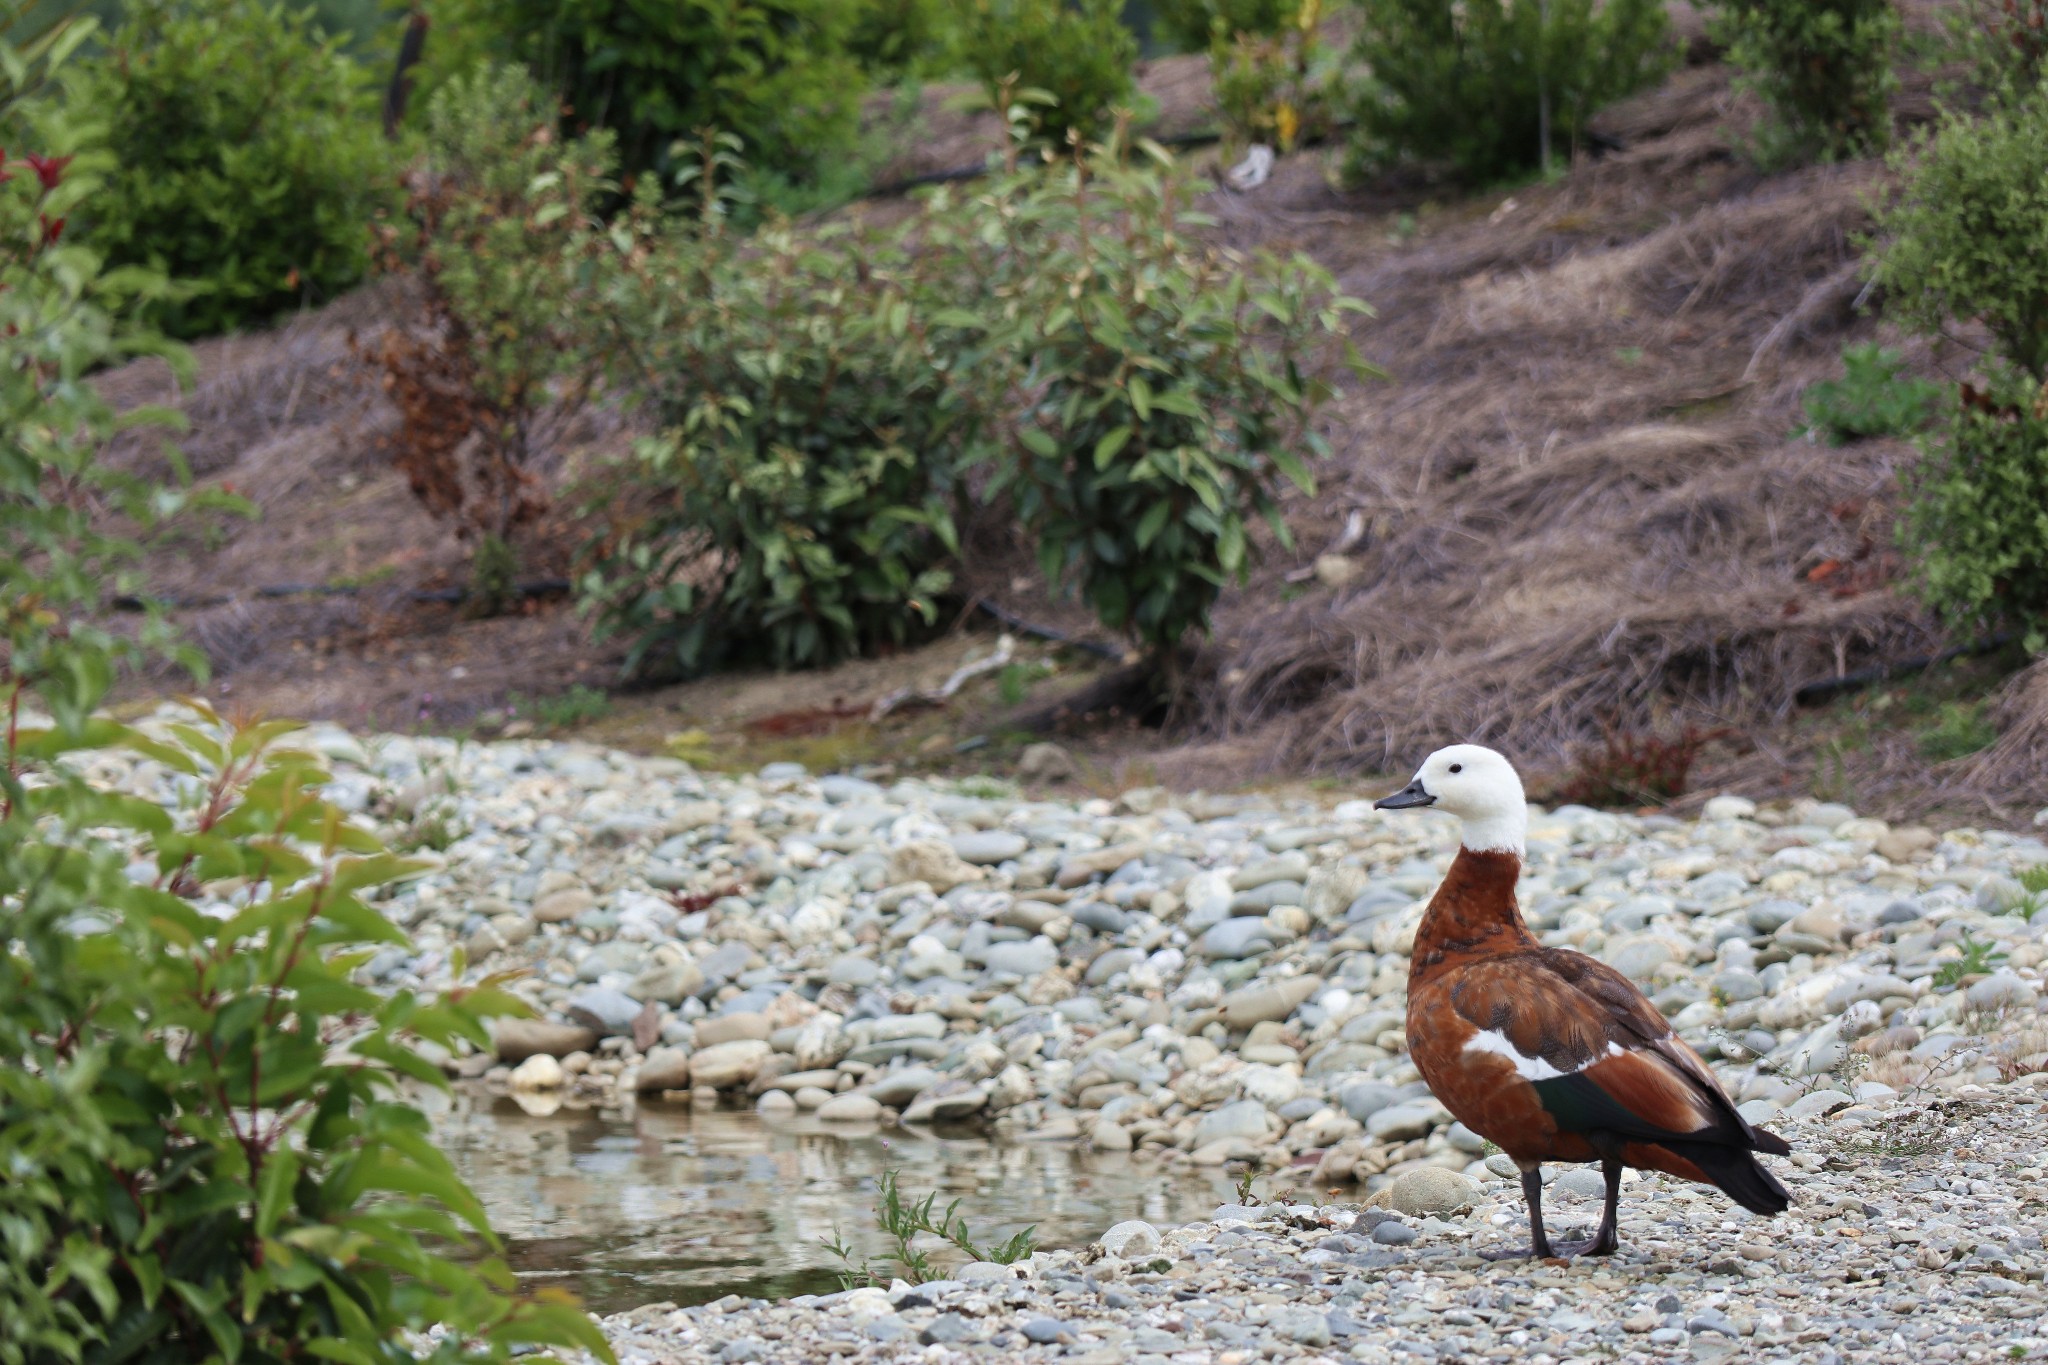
1581	507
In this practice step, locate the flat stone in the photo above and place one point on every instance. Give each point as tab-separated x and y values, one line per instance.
1405	1122
853	970
932	863
851	1108
604	1009
1238	938
1240	1119
728	1028
664	1068
1045	1331
988	847
1023	959
897	1088
559	907
514	1040
1109	1136
728	1064
669	984
1267	1000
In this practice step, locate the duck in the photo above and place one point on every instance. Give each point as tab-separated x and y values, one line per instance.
1549	1054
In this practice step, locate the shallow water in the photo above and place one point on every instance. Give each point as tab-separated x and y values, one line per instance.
690	1205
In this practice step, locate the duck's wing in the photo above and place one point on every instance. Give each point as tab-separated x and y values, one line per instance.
1598	1055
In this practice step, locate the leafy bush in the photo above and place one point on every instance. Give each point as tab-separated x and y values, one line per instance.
1967	238
775	73
896	38
206	1155
247	158
2005	43
1475	84
1973	523
1196	25
1277	89
1157	393
1075	53
794	507
502	221
1872	398
1823	66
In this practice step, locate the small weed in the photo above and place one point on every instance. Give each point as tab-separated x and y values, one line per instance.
1904	1133
427	813
983	787
2033	889
1245	1178
903	1223
1871	399
1629	355
1959	729
1979	958
565	710
1014	682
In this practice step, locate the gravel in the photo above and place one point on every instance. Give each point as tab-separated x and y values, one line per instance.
1201	980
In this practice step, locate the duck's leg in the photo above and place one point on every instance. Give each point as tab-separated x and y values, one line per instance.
1539	1244
1605	1239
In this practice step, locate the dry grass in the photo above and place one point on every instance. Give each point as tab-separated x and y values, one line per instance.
1585	506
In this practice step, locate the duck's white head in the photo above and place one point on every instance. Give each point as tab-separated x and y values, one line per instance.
1479	787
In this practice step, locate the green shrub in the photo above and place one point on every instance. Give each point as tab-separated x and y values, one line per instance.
1975	523
207	1155
795	507
1278	89
775	73
1158	395
1195	25
249	159
1872	398
1967	237
1076	53
2005	43
1823	66
502	237
892	39
1967	240
1470	83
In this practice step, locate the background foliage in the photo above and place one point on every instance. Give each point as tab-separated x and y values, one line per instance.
243	153
1076	52
1823	66
207	1154
1466	84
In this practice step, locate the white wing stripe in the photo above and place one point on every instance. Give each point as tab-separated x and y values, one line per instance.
1528	1068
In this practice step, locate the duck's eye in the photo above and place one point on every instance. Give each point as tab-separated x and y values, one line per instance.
1457	767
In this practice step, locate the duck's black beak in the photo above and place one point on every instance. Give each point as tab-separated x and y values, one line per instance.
1410	795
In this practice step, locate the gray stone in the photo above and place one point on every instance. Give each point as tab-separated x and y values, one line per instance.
946	1100
1131	1239
988	847
851	969
1769	916
1107	965
669	985
1046	763
1100	916
1241	1119
1045	1331
727	1028
664	1068
1260	899
948	1329
1267	1001
728	1064
1304	1326
1363	1099
898	1088
1579	1183
1391	1234
852	1108
1238	938
1023	959
1431	1190
1405	1122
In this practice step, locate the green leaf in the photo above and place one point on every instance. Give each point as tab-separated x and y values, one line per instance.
1113	440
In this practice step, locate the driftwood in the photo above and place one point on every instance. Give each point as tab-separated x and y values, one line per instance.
1006	650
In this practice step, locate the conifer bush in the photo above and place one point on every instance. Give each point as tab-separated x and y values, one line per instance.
1823	66
1493	86
244	153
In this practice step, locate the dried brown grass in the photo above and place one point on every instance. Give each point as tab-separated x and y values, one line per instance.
1585	508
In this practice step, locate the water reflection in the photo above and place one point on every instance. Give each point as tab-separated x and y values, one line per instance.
688	1205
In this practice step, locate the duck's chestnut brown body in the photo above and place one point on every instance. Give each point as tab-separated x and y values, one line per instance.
1554	1056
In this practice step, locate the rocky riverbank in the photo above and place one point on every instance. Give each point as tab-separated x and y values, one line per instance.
1214	980
1916	1240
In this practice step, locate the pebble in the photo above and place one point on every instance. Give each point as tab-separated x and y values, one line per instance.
926	947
